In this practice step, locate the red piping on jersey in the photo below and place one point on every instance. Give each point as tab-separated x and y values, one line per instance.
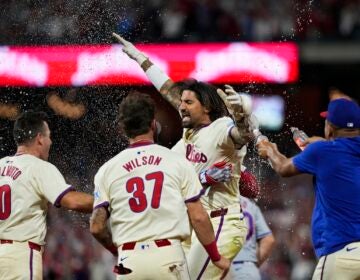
141	143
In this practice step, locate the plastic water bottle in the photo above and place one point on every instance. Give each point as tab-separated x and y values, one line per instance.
299	137
259	136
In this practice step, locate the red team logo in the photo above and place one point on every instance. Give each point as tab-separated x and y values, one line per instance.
194	155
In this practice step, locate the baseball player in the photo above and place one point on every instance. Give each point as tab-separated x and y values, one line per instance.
259	239
149	193
210	137
335	164
27	183
257	248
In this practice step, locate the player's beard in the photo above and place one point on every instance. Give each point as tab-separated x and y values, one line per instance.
187	122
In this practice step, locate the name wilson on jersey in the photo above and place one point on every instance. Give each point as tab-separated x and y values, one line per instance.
10	171
144	160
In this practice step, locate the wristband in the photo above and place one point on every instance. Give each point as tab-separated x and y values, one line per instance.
156	76
113	249
140	58
212	251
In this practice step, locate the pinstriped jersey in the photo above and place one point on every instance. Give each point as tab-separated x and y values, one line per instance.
145	188
208	145
27	184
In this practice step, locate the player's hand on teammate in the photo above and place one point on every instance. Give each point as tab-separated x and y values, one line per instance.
223	264
130	49
218	172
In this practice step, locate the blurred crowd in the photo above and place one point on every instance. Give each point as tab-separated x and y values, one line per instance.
92	21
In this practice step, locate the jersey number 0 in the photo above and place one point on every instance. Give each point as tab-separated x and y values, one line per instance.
5	202
136	186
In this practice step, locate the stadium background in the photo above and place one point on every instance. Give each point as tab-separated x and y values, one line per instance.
327	33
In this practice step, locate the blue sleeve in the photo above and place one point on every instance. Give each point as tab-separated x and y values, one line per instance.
306	161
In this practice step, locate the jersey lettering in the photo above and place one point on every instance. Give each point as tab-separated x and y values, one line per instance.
5	202
138	203
193	155
250	222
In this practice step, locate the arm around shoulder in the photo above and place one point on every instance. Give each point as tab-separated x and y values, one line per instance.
77	201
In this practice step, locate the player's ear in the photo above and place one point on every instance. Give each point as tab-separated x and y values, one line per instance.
156	128
153	126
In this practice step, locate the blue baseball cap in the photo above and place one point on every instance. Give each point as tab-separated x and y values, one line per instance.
343	113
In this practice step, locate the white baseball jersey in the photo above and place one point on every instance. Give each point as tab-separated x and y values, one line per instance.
208	145
144	188
27	184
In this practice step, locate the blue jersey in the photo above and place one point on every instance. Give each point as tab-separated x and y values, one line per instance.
336	216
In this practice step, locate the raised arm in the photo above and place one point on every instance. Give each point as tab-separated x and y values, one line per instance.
156	76
239	106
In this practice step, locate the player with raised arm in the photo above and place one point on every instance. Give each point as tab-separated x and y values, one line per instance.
27	183
210	139
149	194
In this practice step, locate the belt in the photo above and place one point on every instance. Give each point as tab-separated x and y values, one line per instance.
242	262
32	245
224	211
159	243
219	212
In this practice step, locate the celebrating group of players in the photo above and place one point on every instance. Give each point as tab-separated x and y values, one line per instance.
165	214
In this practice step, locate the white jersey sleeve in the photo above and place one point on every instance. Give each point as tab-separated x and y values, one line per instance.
191	188
51	182
101	196
29	183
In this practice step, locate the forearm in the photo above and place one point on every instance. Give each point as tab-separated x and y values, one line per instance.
265	247
161	82
240	134
281	164
78	201
156	76
203	229
104	237
100	231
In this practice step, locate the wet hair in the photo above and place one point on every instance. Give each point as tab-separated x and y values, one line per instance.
136	112
28	125
207	96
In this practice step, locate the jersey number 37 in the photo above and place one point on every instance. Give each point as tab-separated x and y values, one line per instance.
136	185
